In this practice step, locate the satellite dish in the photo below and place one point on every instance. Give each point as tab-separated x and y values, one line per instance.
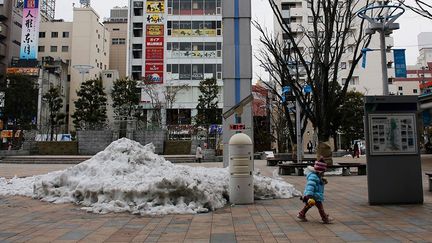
85	3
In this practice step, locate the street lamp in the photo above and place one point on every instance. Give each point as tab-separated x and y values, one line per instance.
425	90
83	69
382	21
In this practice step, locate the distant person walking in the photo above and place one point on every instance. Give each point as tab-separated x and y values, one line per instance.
356	152
198	154
310	146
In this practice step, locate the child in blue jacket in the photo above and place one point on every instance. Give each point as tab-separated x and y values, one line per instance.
314	191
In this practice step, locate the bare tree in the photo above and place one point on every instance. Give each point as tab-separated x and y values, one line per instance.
171	92
420	7
154	93
161	97
274	57
311	55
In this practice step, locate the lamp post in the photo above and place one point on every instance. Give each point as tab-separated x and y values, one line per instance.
382	21
425	90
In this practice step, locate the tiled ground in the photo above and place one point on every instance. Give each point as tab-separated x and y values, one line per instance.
25	219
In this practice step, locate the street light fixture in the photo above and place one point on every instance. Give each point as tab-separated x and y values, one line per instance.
382	21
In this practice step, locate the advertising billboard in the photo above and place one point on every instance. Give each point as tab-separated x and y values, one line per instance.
154	54
30	30
154	72
154	41
155	6
154	30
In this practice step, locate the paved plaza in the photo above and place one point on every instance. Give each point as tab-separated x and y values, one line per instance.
24	219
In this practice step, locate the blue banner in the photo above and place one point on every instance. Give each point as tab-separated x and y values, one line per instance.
400	63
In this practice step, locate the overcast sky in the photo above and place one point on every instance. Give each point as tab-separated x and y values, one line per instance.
405	38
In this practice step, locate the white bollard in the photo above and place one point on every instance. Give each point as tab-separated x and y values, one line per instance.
241	188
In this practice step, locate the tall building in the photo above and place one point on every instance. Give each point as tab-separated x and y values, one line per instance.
366	80
11	27
10	33
425	48
117	25
172	43
82	44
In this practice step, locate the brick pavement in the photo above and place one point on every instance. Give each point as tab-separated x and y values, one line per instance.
24	219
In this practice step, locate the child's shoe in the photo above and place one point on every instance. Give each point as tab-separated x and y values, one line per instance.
302	218
328	220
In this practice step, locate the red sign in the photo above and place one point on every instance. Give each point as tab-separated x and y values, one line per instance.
154	67
237	127
154	54
154	42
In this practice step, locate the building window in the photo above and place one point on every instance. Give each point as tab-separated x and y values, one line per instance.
65	34
400	88
310	19
41	48
137	51
116	29
415	91
65	48
343	65
137	29
185	72
138	8
109	75
54	34
118	41
53	48
41	34
354	80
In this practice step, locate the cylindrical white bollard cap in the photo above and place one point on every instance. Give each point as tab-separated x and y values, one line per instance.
240	138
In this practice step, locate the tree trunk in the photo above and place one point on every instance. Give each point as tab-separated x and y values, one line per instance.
324	150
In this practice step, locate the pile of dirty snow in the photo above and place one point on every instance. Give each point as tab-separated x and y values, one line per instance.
129	177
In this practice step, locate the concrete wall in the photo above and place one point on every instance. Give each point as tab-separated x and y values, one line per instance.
92	142
157	137
58	148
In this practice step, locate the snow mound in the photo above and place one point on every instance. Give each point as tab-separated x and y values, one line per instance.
129	177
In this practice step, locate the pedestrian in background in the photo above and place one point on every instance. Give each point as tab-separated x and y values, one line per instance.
310	146
198	154
356	152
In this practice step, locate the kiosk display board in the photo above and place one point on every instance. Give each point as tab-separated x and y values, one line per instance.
392	134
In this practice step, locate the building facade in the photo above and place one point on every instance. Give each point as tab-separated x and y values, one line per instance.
117	25
82	44
172	44
10	33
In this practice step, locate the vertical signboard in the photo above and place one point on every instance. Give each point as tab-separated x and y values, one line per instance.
400	63
154	46
30	30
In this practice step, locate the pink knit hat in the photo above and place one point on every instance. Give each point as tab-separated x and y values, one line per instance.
320	166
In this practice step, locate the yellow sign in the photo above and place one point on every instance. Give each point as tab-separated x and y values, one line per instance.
23	71
6	133
155	6
155	30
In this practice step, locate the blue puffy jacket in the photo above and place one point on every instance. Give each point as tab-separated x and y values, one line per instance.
314	187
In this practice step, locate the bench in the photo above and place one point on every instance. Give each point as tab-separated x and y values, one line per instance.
429	174
297	168
277	161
